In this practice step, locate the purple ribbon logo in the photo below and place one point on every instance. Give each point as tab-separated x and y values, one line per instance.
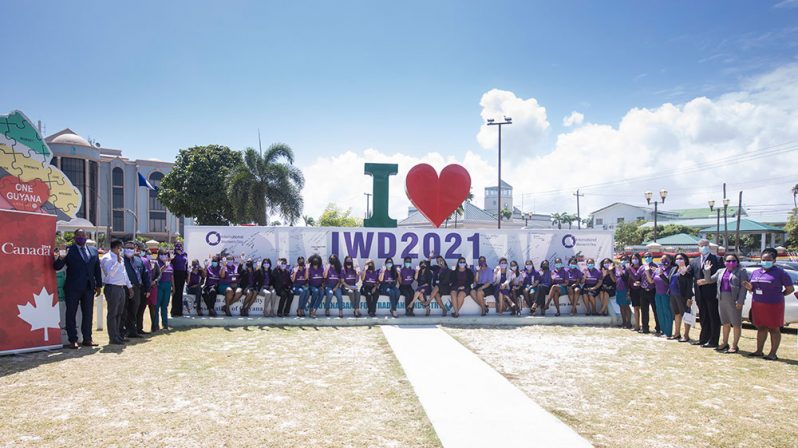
569	241
213	238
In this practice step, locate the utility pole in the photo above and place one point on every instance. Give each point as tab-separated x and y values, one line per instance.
578	215
737	236
492	122
368	204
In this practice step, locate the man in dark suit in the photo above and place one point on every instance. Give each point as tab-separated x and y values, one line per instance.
83	282
706	296
137	274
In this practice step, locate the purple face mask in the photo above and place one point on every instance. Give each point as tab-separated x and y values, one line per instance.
80	240
731	264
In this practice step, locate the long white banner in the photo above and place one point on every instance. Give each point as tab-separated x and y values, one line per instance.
202	242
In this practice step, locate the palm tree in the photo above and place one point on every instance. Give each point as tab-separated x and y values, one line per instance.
567	218
557	220
794	194
266	184
506	214
309	221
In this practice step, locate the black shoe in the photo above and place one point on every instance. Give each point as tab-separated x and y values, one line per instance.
697	343
143	333
708	345
134	335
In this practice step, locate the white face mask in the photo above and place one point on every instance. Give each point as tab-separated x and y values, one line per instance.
129	252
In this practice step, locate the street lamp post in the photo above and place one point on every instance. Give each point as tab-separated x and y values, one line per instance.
492	122
135	220
527	217
662	194
711	203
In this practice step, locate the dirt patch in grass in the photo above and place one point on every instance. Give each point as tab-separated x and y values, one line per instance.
622	389
325	387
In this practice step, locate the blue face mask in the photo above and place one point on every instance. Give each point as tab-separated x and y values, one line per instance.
767	264
704	250
573	266
591	266
214	264
558	265
389	265
649	260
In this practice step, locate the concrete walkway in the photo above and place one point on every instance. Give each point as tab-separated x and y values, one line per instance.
468	402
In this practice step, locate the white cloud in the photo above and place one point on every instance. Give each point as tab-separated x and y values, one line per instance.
786	4
574	119
529	127
671	138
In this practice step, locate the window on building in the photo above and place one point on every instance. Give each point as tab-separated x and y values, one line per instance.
93	193
118	199
75	170
157	210
619	221
599	221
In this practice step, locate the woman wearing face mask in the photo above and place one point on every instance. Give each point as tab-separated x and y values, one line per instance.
608	285
389	283
332	286
194	285
502	280
591	286
423	278
209	287
264	287
731	298
635	291
247	285
281	278
681	294
769	286
154	272
166	284
407	275
315	283
559	277
575	285
232	275
662	278
543	284
527	290
517	287
349	277
180	266
462	279
441	283
622	280
484	285
647	289
370	289
299	282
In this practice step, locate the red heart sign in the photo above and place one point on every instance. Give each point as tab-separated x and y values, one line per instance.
437	197
24	196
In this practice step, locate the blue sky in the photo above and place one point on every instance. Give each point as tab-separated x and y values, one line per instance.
326	77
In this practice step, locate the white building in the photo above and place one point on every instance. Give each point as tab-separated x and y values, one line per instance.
609	217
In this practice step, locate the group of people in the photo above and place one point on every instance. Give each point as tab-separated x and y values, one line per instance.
133	281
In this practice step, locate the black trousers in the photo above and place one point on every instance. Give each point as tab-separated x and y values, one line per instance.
407	292
541	292
85	301
131	311
371	296
286	299
140	313
710	320
197	292
646	300
177	295
209	296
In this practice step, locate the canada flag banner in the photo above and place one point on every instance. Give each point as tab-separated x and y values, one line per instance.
29	311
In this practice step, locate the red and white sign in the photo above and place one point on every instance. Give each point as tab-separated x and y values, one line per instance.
29	311
24	196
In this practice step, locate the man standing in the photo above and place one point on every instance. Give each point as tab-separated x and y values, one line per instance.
143	254
707	296
180	268
83	282
137	274
117	286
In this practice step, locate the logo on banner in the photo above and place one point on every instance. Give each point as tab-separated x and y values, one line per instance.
213	238
42	313
569	241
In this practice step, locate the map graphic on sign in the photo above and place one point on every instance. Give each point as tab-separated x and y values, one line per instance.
27	180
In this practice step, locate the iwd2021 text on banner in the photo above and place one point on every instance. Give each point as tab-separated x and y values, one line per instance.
29	311
202	242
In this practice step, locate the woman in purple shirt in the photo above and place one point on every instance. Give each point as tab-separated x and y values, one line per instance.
559	278
180	266
299	285
423	277
332	286
635	291
483	276
517	279
407	275
769	286
264	286
575	284
662	279
622	291
194	285
462	279
389	283
166	285
370	288
591	286
350	275
315	283
209	287
501	286
543	284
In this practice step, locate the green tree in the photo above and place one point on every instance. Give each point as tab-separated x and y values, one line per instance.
333	216
266	184
627	234
557	219
569	219
309	221
275	223
791	227
196	186
506	214
461	209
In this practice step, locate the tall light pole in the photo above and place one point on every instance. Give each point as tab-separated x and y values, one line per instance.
578	214
135	220
492	122
711	203
725	218
662	194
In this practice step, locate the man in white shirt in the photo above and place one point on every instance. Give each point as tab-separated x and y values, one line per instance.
117	284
